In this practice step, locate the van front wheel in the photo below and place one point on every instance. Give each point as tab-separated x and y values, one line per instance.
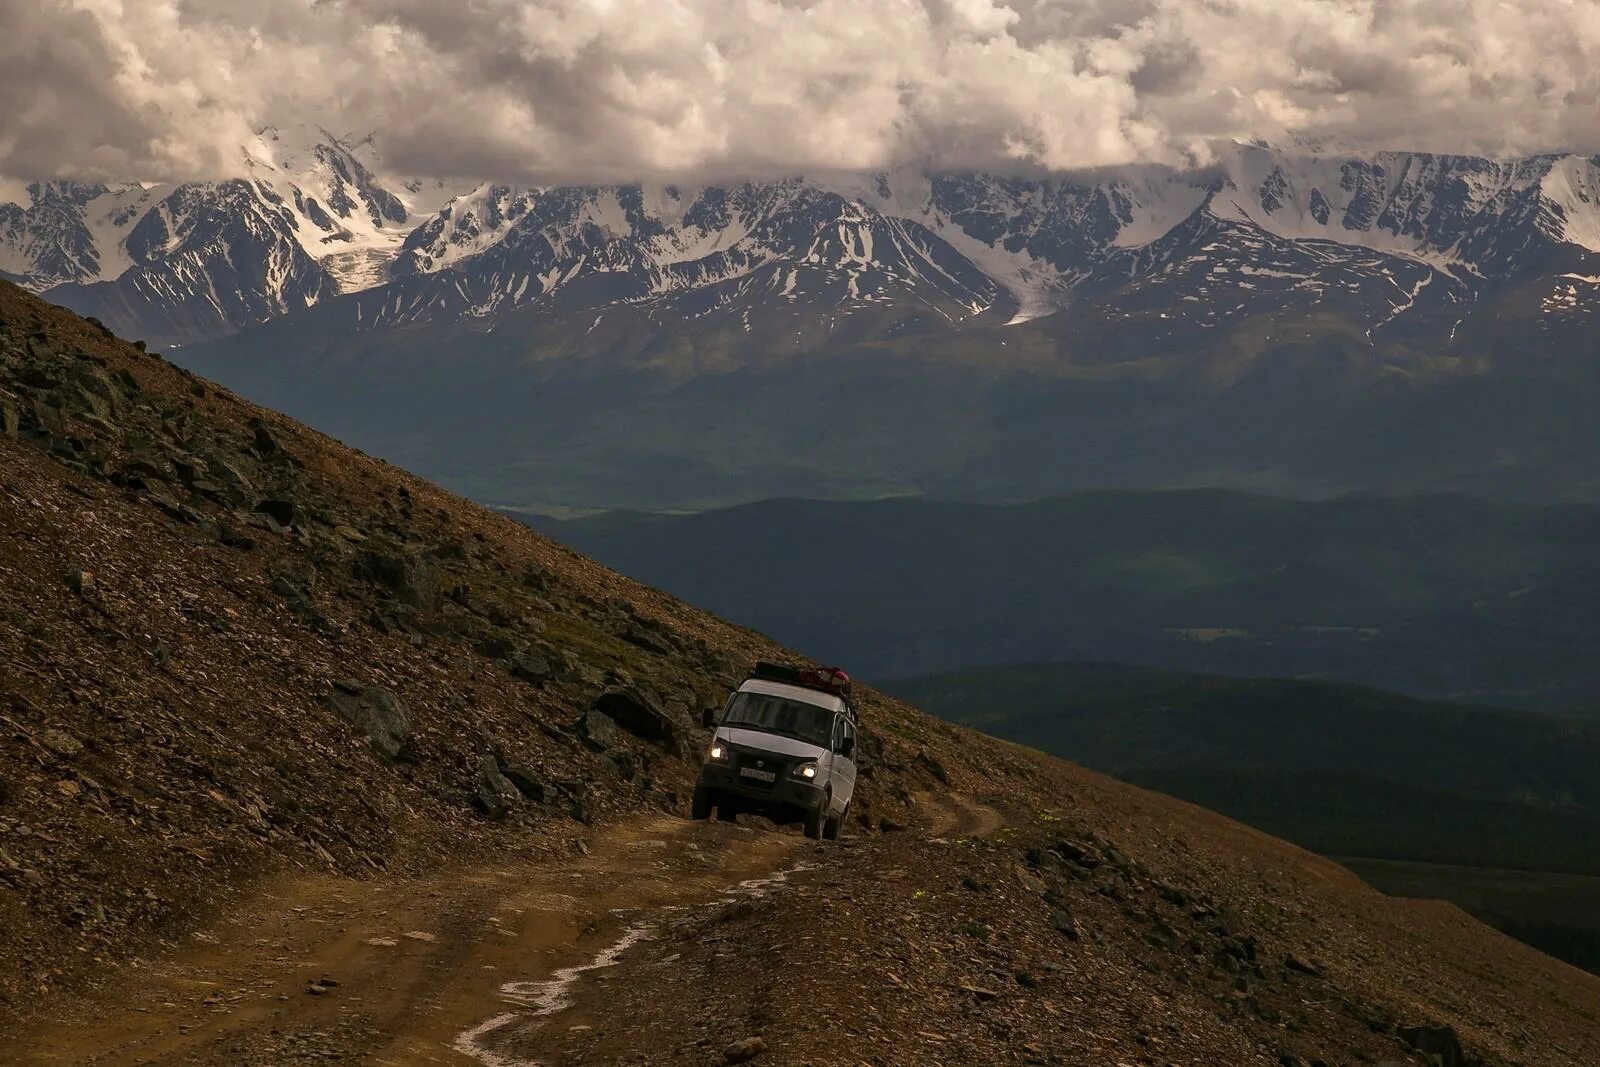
834	827
816	819
700	806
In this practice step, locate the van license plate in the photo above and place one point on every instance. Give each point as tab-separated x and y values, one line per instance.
760	776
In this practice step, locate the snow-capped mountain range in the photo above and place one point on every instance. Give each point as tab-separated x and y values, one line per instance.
1397	243
304	220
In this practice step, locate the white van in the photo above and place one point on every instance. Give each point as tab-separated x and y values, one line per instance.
784	747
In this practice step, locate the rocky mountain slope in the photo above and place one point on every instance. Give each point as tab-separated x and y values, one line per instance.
237	650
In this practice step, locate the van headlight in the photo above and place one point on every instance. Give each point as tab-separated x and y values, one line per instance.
718	752
807	771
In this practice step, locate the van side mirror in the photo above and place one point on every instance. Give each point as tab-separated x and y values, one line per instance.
708	717
847	747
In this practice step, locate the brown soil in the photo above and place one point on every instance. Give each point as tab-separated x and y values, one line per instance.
417	961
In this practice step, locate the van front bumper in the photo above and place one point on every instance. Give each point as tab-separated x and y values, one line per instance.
785	792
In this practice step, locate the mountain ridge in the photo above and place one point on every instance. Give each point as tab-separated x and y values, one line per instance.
964	243
1292	323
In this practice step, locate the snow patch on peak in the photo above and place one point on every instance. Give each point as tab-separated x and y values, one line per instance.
470	223
344	215
1148	206
604	209
1572	188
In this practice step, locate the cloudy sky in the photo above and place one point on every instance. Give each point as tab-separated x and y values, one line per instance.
543	90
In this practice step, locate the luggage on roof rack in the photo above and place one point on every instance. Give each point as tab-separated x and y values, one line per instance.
825	679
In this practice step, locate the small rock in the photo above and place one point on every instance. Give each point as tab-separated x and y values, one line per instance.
282	512
933	767
535	670
890	826
528	782
61	743
647	638
1295	963
1030	881
744	1051
1437	1042
497	646
144	469
1172	895
381	942
1063	923
265	442
1079	854
581	810
420	935
81	582
496	795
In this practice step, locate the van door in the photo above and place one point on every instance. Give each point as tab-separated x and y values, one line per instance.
844	766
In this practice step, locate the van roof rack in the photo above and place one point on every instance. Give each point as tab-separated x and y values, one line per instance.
824	679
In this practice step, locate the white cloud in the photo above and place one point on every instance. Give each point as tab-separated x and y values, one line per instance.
619	89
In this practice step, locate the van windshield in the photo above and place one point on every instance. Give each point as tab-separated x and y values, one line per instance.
779	715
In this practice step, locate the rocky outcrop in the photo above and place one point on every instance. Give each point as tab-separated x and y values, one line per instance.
496	793
407	577
644	715
376	712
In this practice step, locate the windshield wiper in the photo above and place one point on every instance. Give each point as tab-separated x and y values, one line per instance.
747	724
764	728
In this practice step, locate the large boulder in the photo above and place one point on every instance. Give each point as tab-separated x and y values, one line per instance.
643	714
1439	1043
528	782
406	576
376	712
531	668
496	794
285	513
598	731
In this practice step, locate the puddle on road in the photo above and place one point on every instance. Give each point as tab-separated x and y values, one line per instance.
542	998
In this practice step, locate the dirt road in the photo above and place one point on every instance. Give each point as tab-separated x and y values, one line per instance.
448	970
322	969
